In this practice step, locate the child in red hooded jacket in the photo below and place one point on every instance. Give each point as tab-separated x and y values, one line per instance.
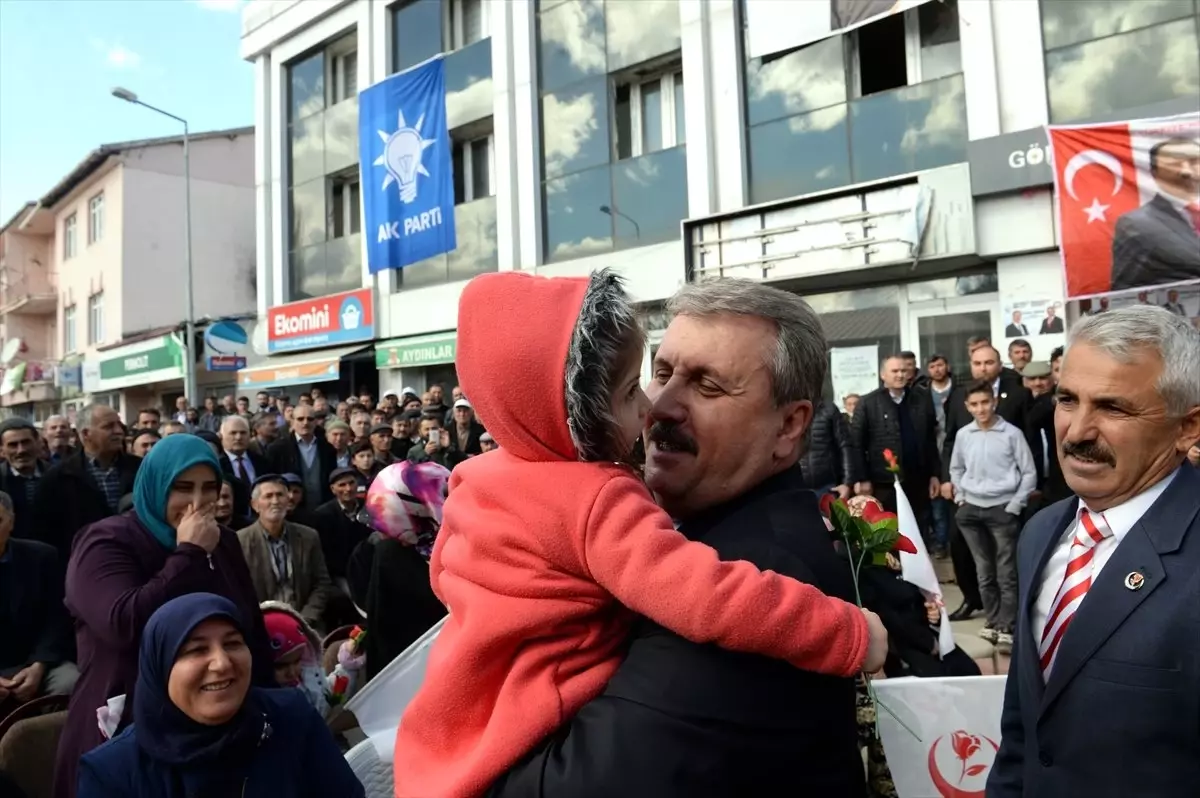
546	541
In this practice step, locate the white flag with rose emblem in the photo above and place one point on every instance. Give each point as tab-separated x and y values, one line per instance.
958	722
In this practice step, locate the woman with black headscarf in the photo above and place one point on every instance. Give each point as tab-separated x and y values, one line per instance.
201	730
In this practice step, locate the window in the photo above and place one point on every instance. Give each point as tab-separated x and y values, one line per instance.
69	243
466	24
648	115
345	217
1107	56
473	169
612	119
96	318
886	99
69	343
96	218
324	253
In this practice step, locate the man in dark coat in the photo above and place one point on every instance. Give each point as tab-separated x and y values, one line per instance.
682	719
828	460
21	471
88	485
307	454
900	419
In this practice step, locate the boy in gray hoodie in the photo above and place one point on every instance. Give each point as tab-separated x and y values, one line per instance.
993	474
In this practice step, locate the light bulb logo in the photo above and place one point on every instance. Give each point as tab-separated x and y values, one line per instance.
402	152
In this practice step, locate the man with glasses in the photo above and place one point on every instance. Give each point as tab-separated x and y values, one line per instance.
305	453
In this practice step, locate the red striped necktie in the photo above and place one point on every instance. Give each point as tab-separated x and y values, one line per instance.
1089	531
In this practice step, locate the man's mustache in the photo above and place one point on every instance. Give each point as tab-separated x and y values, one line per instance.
1089	450
669	433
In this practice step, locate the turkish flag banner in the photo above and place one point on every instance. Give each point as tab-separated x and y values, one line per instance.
1128	197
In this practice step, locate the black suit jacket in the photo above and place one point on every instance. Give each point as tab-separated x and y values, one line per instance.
68	499
340	535
1015	330
283	457
1051	325
257	462
1118	715
1154	245
1011	406
35	620
14	486
690	720
876	427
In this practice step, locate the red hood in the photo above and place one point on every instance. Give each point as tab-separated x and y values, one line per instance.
514	330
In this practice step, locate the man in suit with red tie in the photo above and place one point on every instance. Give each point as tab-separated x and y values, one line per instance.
1103	693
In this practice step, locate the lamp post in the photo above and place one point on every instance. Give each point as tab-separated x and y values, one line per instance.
189	373
617	212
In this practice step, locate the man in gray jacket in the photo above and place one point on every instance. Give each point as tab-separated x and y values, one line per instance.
993	473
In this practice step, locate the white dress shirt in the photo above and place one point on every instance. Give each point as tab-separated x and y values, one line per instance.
246	466
1120	520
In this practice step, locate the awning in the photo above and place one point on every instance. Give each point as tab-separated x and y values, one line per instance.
151	360
296	369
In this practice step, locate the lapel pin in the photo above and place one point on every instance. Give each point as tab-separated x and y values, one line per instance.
1134	581
1004	396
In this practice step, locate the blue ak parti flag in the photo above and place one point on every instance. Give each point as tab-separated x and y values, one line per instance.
407	173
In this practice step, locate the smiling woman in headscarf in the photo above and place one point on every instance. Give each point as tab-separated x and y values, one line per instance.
125	567
200	729
388	573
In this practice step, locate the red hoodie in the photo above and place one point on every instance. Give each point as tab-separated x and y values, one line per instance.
539	555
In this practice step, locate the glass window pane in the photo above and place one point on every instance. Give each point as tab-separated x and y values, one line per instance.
469	95
308	213
422	274
863	317
308	272
803	80
350	79
355	200
571	43
575	225
680	122
800	155
343	266
341	136
416	33
475	229
1070	21
1147	66
947	334
307	149
908	130
941	51
337	213
624	122
307	83
575	128
947	287
460	172
472	12
481	179
639	30
650	197
651	116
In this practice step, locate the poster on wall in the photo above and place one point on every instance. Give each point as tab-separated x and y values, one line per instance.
853	369
1182	300
1128	197
774	26
1037	319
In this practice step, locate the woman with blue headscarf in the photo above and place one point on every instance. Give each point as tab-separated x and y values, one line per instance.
122	569
200	728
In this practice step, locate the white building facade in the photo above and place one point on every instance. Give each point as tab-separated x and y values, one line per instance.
893	174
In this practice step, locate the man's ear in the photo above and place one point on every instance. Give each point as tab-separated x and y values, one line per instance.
1189	430
796	418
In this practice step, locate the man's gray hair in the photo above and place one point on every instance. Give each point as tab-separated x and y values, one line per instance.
83	419
798	363
234	421
6	502
1130	332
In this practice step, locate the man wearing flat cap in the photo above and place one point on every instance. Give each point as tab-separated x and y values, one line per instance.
465	431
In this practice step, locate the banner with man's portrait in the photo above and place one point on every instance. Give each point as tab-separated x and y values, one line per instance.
1128	196
777	25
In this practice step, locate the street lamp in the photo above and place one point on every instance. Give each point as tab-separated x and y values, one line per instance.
189	374
617	212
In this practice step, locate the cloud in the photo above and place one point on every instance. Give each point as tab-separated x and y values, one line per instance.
116	55
568	125
220	5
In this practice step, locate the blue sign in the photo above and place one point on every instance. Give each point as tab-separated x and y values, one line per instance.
226	363
225	337
407	172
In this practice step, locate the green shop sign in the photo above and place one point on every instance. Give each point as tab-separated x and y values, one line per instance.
416	352
164	356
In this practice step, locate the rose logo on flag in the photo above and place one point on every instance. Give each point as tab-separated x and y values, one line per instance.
966	760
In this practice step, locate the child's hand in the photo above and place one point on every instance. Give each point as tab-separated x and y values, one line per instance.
877	648
348	659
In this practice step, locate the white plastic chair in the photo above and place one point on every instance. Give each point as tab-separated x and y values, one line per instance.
374	773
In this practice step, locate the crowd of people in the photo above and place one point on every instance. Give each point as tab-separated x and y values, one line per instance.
641	598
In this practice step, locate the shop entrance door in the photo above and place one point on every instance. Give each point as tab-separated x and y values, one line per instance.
943	327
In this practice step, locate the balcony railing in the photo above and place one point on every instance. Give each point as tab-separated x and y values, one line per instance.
32	292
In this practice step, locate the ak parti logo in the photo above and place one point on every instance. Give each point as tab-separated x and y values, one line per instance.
960	769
